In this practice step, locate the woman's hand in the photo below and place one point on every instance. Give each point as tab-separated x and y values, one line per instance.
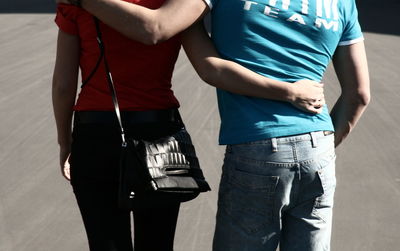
65	152
308	96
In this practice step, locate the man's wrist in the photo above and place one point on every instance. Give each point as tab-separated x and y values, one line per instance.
289	92
77	3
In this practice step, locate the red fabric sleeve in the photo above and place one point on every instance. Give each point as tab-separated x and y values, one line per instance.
66	18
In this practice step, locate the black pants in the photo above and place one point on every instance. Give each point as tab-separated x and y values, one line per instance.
94	177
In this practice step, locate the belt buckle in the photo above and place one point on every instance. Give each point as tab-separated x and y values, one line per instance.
326	133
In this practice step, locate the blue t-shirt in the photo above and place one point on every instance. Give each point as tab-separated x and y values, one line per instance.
287	40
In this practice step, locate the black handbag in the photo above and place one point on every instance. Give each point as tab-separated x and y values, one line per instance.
160	171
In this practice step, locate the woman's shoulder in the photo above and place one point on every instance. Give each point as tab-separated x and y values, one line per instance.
71	12
68	16
67	11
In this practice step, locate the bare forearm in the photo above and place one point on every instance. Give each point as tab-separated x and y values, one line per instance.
351	67
127	18
64	85
148	26
230	76
345	115
63	102
63	95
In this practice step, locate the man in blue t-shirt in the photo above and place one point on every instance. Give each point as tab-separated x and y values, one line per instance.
278	179
284	40
278	176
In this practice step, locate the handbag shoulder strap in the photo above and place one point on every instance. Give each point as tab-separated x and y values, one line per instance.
109	79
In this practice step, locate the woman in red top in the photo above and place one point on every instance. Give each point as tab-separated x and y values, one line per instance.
142	77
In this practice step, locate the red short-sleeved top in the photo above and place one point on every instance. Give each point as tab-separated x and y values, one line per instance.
141	73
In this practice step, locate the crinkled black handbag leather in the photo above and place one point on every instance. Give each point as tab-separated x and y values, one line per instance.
157	172
161	171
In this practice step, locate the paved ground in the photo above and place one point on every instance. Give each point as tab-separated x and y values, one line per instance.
37	207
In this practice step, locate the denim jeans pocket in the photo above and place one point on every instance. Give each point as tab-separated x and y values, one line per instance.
324	203
247	198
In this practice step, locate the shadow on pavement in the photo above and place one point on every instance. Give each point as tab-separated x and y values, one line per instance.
379	16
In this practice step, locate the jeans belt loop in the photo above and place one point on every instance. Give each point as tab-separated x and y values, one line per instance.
274	144
314	140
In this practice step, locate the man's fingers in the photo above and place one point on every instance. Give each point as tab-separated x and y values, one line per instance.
322	101
315	110
310	108
317	101
316	107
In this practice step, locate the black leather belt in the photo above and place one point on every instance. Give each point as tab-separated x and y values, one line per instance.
128	117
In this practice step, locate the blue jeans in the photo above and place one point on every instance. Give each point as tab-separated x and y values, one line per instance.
277	192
